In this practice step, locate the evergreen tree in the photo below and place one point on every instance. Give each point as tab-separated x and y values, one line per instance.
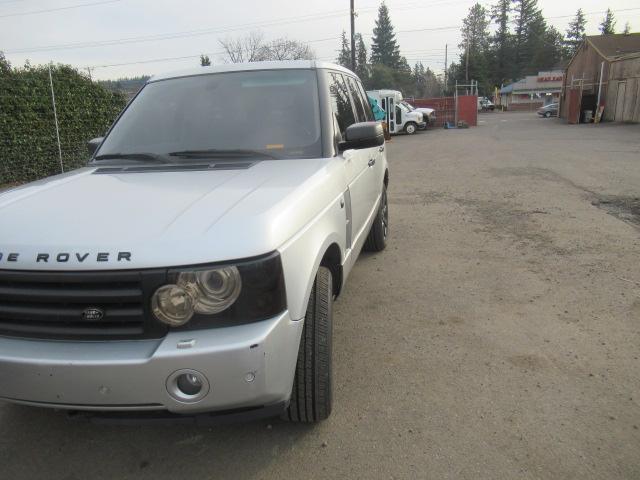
381	77
344	57
205	61
384	48
362	68
575	33
549	53
433	86
529	27
474	45
627	28
500	44
419	80
608	25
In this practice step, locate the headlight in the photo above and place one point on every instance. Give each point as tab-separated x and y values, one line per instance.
213	290
172	305
221	295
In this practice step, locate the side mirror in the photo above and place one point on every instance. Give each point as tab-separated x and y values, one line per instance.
93	144
362	135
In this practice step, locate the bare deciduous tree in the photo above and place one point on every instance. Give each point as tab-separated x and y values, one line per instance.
252	48
243	49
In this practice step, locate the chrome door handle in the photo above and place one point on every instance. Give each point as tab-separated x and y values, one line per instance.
372	162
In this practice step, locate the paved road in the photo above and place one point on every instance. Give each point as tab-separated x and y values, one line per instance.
496	338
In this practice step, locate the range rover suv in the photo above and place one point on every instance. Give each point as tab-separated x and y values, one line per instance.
192	264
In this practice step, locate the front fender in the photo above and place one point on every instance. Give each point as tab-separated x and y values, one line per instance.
301	256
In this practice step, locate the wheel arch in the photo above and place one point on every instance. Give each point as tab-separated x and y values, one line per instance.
332	259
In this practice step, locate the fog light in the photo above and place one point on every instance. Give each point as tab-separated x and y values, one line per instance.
187	386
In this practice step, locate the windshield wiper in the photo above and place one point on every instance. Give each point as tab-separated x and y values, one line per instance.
131	156
217	153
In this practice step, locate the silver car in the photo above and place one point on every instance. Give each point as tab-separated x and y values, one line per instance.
191	266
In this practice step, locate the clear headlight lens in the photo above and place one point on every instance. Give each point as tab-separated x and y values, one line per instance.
173	305
213	290
221	295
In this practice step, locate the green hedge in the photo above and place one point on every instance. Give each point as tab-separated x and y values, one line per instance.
28	145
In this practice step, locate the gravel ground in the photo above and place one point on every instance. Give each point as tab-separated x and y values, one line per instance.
496	338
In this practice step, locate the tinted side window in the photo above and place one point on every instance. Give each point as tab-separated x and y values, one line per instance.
368	113
340	101
357	100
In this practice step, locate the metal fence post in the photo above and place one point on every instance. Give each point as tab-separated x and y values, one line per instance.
55	116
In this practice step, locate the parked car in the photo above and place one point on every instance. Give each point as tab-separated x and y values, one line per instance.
429	114
485	104
191	266
398	116
550	110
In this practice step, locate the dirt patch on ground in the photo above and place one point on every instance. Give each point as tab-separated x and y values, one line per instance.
626	209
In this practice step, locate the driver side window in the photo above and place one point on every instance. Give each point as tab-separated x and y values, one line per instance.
341	106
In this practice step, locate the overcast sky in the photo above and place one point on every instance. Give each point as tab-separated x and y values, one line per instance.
195	27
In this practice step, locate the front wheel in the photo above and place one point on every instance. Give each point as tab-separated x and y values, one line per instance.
547	114
377	239
410	128
311	396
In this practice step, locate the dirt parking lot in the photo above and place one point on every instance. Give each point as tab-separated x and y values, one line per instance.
496	338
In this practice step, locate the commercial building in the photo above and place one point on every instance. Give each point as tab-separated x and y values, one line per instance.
602	80
532	92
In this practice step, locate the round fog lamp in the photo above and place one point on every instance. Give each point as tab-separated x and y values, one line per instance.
172	305
189	384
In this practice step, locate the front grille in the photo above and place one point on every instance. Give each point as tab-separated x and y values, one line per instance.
51	304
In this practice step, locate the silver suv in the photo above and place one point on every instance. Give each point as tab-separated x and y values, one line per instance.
191	266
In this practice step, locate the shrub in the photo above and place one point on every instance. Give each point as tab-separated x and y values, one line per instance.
28	144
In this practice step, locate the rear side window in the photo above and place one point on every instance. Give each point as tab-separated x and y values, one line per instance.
340	102
368	113
357	100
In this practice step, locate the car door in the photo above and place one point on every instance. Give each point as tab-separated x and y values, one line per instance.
375	175
356	162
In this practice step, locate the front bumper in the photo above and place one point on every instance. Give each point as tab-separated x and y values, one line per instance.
246	366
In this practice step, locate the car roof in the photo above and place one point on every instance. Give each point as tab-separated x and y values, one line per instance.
250	66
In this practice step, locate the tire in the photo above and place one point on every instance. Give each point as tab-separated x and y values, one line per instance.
311	396
547	114
410	128
377	239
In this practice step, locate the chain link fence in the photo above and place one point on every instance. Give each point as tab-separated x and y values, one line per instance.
47	115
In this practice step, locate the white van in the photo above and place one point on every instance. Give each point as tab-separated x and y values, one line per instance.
398	116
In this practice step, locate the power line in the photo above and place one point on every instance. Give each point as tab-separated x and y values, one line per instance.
168	36
209	31
596	13
81	5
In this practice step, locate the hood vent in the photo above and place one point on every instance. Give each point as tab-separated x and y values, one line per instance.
187	167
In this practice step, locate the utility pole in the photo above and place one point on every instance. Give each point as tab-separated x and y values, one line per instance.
55	118
89	70
446	47
353	36
466	75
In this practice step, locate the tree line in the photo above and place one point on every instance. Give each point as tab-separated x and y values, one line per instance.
499	45
522	43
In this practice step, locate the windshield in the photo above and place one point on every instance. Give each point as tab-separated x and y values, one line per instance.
273	114
408	106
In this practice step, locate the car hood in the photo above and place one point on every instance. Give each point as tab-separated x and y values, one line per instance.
160	218
426	110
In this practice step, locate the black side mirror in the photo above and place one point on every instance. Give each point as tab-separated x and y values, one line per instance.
362	135
93	144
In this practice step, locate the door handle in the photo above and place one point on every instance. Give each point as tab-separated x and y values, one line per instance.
372	162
